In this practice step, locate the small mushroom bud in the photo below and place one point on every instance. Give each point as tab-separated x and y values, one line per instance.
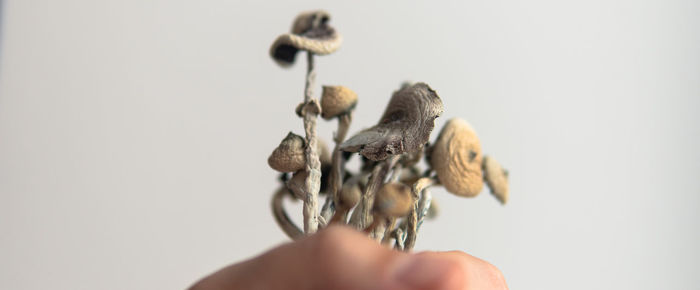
289	155
310	32
350	195
337	100
405	126
393	200
496	178
456	158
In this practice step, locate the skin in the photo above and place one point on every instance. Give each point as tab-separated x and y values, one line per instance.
339	257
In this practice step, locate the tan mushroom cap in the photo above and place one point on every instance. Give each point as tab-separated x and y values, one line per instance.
350	195
393	200
289	155
310	32
337	100
456	157
496	178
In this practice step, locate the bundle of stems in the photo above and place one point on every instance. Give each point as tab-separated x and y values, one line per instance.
389	196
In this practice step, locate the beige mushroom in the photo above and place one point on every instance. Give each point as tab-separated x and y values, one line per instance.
310	32
348	198
456	158
289	155
496	178
337	100
393	200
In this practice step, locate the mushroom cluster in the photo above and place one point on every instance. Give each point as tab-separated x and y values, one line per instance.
388	197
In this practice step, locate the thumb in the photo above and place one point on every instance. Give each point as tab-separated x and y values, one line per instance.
342	258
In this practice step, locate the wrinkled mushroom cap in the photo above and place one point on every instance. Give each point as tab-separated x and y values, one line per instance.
496	178
289	155
310	32
337	100
393	200
405	126
456	157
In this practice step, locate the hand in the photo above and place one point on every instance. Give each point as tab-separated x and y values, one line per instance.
342	258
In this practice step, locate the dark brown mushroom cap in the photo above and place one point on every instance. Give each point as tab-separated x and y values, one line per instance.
310	32
393	200
337	100
289	155
456	158
405	126
496	178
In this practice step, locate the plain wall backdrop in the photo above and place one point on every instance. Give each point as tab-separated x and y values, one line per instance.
134	134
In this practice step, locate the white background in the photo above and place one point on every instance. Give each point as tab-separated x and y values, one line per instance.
134	134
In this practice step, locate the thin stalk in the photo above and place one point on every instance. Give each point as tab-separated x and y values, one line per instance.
386	240
335	178
412	227
281	217
313	164
375	182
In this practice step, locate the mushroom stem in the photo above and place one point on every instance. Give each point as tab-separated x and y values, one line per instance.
412	227
396	172
376	222
327	211
335	179
339	216
313	164
375	182
281	217
386	240
399	238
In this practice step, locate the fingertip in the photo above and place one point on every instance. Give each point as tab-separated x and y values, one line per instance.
478	273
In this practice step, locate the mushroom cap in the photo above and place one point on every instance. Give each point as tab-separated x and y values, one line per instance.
350	195
393	200
496	178
307	20
456	157
406	125
310	32
337	100
289	155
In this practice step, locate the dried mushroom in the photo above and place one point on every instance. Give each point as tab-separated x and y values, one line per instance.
456	157
405	126
337	100
310	32
496	178
289	155
387	194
